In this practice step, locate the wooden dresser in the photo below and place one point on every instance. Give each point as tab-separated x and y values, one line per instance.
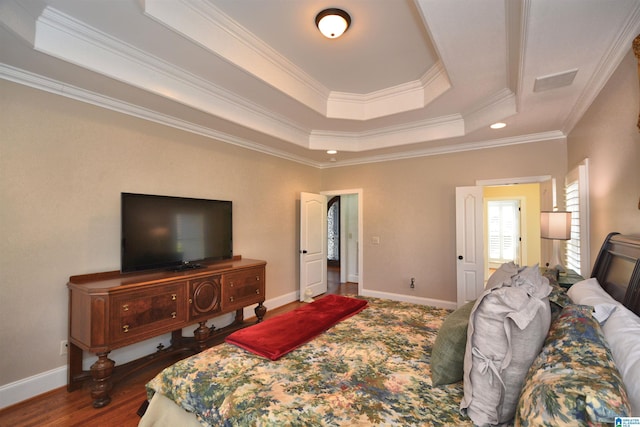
112	310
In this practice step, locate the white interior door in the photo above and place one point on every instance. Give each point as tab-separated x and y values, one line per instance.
469	243
313	244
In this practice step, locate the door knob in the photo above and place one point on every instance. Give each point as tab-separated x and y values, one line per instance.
460	257
303	251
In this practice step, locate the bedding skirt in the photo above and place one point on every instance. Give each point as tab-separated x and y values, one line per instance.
370	369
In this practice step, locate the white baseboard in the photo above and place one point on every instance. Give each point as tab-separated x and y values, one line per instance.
452	305
272	303
27	388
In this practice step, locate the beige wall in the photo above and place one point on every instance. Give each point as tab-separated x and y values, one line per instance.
608	136
410	205
63	165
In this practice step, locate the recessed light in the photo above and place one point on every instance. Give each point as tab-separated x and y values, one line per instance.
332	151
498	125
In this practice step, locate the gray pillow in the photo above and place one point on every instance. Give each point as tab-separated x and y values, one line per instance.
447	354
507	328
503	274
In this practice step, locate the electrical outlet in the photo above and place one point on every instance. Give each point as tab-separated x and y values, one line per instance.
64	347
413	283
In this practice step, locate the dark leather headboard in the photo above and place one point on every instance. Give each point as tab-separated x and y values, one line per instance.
617	269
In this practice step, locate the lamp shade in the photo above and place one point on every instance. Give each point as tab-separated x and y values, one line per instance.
332	23
555	225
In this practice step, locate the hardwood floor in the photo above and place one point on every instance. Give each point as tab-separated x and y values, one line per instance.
335	287
60	408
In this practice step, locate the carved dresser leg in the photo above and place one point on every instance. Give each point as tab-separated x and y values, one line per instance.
201	334
101	372
260	310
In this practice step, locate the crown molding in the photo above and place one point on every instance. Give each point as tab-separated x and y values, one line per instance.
401	98
452	148
71	40
52	86
420	131
68	91
398	99
435	82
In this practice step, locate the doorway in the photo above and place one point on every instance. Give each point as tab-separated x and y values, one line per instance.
345	265
472	267
519	207
333	232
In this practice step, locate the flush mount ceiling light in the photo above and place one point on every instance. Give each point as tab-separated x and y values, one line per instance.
332	151
332	23
498	125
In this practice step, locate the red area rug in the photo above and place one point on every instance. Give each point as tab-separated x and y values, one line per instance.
275	337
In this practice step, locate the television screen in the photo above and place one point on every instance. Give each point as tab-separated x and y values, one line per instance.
173	232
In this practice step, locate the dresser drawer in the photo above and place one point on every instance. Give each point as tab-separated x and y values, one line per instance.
145	312
243	288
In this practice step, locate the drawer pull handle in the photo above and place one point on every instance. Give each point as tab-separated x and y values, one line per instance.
231	299
190	301
173	297
173	314
258	291
125	328
231	284
125	307
257	278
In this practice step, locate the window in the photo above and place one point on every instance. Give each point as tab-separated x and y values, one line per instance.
577	202
503	230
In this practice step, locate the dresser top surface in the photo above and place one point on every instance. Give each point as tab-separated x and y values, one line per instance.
106	281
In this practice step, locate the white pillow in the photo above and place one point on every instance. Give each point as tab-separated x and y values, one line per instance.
622	332
589	292
601	312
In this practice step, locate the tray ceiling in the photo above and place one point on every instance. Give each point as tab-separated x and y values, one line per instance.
408	78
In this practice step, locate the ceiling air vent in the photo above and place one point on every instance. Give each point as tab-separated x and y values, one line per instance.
553	81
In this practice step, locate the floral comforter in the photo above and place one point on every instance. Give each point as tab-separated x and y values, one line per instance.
370	369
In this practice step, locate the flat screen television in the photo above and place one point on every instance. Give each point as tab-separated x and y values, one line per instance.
164	232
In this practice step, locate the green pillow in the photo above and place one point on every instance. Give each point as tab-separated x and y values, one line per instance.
447	354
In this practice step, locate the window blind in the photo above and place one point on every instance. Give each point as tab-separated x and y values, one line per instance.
576	192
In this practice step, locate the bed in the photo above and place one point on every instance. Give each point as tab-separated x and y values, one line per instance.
384	365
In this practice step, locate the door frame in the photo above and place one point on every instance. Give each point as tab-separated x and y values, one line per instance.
359	193
495	182
518	180
539	179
